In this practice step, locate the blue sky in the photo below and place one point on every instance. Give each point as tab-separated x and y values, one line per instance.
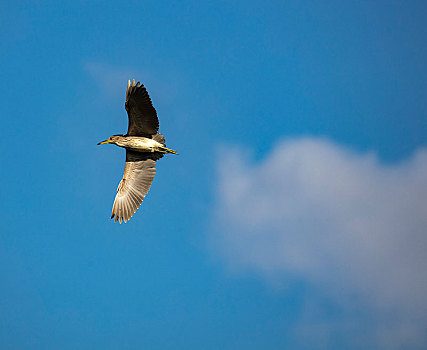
293	216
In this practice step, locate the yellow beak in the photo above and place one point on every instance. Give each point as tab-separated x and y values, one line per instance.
103	142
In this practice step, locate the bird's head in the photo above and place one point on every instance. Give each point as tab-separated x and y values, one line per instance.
112	139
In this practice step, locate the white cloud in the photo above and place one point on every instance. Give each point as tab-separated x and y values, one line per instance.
342	221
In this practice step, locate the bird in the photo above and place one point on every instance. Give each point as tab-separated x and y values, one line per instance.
144	147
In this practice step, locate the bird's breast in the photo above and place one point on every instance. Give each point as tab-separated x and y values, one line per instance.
141	144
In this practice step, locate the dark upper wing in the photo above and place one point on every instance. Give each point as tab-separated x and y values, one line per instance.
136	182
142	115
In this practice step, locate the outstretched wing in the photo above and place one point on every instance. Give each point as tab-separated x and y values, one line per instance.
142	115
136	182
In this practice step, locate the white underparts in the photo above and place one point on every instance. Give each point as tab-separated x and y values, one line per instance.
141	144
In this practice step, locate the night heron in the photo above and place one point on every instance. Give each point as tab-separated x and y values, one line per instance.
144	146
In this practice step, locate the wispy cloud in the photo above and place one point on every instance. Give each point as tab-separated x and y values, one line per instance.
347	224
112	80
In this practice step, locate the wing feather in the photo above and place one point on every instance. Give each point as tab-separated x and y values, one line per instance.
135	184
142	115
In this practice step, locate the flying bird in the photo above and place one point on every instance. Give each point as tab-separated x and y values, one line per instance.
144	146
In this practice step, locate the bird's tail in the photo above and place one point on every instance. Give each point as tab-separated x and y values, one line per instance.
159	138
167	150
